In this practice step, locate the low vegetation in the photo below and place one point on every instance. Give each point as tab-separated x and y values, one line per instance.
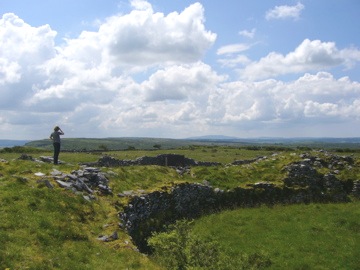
292	237
54	228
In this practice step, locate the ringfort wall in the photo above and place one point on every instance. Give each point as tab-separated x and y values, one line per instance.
147	213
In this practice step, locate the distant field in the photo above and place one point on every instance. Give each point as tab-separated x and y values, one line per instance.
104	144
131	143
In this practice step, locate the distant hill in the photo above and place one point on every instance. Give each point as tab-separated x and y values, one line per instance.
11	143
213	138
125	143
278	140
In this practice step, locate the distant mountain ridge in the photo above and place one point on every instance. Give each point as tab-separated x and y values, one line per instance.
213	137
294	140
123	143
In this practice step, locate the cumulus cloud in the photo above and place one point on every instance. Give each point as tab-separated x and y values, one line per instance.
316	97
172	99
310	55
23	48
91	66
88	78
238	105
180	82
141	74
285	12
9	72
141	5
23	43
146	38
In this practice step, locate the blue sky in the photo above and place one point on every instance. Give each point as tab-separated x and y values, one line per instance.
180	68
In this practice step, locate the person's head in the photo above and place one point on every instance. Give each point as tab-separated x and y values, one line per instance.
56	128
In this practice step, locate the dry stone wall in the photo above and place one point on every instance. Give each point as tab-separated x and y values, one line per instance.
150	212
303	183
160	160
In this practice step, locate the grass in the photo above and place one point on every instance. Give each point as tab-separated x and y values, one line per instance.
293	237
44	228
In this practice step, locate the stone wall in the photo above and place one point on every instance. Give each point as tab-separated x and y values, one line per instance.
147	213
160	160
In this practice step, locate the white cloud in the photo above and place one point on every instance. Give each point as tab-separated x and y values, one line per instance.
91	68
180	82
23	48
9	72
234	61
141	5
249	105
85	82
141	74
141	39
23	43
233	48
285	12
146	38
304	107
230	55
310	55
247	33
316	109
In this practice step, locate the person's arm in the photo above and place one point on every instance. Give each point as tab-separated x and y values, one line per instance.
61	132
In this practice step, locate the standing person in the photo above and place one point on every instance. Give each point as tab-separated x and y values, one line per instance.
55	137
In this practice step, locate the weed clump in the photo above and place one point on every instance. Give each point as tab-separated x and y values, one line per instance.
179	248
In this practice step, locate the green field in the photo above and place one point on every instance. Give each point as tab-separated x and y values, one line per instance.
138	143
44	228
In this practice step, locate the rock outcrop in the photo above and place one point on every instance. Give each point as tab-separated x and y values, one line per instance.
87	182
89	179
45	159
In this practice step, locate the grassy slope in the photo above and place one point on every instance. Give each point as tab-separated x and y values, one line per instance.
45	228
293	237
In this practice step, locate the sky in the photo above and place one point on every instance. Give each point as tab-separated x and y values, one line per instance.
178	69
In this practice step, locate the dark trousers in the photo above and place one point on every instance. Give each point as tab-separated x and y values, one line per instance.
56	152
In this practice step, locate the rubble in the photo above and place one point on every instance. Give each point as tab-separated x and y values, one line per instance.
88	181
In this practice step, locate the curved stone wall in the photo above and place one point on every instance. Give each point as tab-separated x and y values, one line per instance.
148	213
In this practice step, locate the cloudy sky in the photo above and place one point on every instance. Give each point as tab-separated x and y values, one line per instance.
179	68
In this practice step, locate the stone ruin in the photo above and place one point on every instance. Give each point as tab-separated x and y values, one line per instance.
148	212
356	189
172	160
89	180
